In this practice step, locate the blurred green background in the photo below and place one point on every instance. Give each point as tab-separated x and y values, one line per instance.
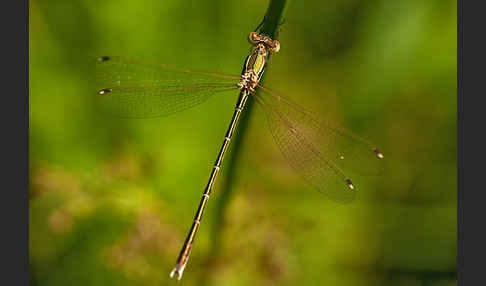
111	200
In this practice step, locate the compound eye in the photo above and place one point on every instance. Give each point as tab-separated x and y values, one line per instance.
276	46
253	38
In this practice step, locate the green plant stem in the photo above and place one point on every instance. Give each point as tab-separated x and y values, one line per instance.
273	18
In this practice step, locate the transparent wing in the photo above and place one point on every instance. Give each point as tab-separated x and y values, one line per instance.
135	89
322	153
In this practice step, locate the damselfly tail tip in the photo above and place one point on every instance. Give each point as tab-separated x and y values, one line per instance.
350	184
177	271
378	153
103	59
104	91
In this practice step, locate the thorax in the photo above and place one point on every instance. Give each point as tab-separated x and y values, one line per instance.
254	68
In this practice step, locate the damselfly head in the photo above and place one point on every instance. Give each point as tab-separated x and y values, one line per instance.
256	40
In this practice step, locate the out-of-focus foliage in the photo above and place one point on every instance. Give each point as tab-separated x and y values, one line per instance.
111	199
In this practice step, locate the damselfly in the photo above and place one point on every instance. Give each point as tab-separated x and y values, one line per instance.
319	151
